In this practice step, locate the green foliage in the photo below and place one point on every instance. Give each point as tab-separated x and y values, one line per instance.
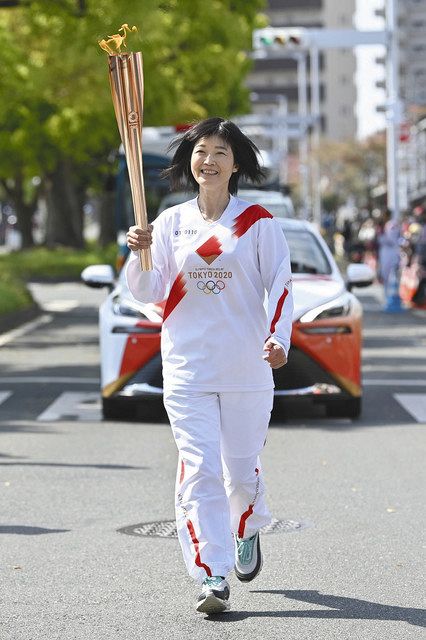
56	79
14	295
42	263
351	169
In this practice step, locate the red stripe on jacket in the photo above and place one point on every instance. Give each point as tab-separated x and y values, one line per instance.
278	310
248	218
177	292
197	549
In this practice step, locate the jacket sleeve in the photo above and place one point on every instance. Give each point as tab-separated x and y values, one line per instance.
151	286
275	269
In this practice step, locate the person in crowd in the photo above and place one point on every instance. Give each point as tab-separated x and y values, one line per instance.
419	297
388	241
214	257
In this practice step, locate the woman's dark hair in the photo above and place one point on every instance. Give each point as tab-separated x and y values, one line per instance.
244	150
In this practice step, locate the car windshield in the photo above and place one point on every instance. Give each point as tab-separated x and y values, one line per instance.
306	253
278	209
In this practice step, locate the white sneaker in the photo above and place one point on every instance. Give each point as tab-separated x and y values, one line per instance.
248	557
214	596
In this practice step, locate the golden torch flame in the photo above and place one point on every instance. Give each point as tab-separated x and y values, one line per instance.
117	40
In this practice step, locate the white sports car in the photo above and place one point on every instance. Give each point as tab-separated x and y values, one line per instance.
324	364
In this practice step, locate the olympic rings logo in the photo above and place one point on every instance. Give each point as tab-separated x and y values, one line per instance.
211	286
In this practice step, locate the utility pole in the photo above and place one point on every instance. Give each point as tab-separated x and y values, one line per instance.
316	134
303	141
393	109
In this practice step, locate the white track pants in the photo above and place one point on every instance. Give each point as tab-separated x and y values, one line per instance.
219	484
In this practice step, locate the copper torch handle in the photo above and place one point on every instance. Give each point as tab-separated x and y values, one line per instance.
126	80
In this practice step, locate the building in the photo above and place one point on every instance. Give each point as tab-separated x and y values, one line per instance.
412	44
411	20
271	78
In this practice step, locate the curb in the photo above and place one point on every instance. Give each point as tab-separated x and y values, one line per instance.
9	321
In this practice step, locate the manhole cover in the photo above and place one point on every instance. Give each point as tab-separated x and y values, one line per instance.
167	528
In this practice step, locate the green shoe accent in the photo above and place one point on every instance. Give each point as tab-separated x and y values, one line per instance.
248	557
245	549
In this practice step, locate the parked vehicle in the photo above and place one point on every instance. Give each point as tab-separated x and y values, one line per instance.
325	358
275	202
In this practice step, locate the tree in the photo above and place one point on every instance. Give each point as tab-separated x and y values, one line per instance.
351	169
59	123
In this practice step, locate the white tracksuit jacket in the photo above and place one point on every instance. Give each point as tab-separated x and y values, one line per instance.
214	276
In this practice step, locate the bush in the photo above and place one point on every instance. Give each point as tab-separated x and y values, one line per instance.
14	295
44	264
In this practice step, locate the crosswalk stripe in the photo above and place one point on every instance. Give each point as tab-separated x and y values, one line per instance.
61	305
393	382
47	380
86	406
4	395
414	404
72	405
25	328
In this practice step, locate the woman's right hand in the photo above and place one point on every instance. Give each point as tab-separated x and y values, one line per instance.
138	238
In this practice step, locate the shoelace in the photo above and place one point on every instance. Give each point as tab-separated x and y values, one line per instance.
245	549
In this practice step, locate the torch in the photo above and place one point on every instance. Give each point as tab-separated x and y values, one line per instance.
127	88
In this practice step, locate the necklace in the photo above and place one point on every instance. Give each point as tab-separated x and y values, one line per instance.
203	212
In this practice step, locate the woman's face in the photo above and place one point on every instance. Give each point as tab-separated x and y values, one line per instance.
212	163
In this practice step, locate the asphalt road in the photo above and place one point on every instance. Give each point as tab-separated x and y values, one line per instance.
348	562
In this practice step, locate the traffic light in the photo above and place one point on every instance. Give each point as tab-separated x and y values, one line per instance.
276	38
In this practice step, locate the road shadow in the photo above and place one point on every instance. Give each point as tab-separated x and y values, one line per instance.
66	465
338	607
9	426
22	530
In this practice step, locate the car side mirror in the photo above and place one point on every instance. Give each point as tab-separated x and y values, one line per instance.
359	275
98	276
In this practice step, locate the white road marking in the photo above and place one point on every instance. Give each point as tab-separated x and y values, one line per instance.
409	368
413	403
4	395
48	380
25	328
72	405
60	305
392	382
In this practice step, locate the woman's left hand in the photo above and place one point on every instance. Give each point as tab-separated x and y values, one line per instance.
274	354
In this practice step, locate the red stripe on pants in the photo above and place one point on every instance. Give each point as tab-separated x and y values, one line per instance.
197	549
243	519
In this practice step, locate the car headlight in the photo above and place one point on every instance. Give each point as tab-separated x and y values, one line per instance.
336	308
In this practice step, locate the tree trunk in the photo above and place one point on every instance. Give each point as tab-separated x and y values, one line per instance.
24	211
64	208
107	214
24	214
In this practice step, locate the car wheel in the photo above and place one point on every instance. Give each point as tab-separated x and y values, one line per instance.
350	408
